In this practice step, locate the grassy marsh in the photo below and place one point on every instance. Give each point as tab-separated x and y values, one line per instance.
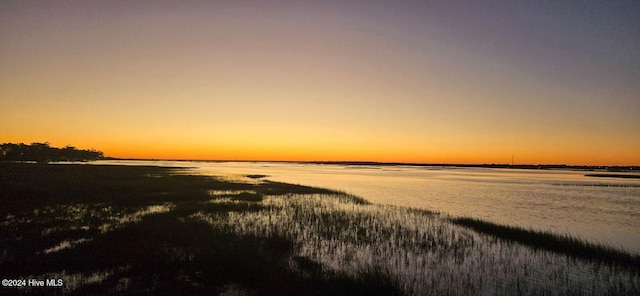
561	244
153	230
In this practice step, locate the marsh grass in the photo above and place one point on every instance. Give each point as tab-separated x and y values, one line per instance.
153	230
562	244
419	251
127	230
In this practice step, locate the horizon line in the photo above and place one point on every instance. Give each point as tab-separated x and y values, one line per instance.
390	163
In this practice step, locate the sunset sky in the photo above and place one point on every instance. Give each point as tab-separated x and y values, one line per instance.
400	81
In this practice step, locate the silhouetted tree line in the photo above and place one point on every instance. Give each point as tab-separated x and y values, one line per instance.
43	153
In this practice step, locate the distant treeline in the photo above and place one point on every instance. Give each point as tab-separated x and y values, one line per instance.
43	153
493	165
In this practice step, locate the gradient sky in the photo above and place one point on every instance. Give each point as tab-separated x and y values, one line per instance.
405	81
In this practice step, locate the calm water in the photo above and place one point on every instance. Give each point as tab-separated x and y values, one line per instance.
603	210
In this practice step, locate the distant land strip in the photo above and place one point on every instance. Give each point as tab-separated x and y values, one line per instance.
624	176
618	168
596	185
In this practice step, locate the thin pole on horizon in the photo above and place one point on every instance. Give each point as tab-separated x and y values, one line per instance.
511	159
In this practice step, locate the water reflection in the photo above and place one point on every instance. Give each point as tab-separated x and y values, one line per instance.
601	210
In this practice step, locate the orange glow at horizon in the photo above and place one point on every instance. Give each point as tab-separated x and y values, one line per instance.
292	151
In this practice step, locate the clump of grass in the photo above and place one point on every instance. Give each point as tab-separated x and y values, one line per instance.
246	196
561	244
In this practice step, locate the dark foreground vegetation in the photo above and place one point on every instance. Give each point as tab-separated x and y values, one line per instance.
135	230
111	248
43	153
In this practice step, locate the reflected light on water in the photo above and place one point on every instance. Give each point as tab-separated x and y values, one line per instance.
601	210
